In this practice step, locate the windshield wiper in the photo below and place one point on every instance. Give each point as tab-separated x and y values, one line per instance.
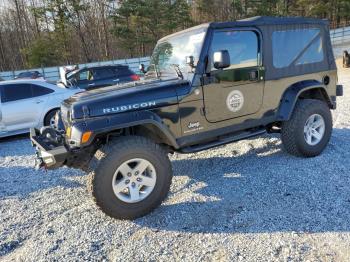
178	71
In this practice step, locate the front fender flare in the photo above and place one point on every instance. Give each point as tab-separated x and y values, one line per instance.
107	124
291	95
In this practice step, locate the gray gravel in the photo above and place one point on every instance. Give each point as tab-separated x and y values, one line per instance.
244	201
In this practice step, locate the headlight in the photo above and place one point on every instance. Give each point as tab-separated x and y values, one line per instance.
68	132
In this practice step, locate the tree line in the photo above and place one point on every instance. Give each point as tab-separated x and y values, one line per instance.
41	33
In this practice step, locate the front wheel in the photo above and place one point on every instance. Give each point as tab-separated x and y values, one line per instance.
308	131
130	177
50	118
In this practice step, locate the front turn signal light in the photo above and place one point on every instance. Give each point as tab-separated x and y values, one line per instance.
85	137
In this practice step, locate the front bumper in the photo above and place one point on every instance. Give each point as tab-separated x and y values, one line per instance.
48	154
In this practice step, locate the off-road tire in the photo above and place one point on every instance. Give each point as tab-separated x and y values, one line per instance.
292	133
106	161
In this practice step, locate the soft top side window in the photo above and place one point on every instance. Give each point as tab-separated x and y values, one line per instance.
297	47
243	47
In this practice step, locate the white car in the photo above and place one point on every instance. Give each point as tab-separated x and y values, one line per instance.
29	103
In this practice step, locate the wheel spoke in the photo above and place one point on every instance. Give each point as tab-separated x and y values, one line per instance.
309	138
311	119
119	186
125	169
134	193
141	166
147	181
318	123
317	135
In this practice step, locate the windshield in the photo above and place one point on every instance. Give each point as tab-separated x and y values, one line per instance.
70	74
174	50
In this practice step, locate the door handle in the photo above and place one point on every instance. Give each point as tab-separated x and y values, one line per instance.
39	101
116	80
253	75
91	84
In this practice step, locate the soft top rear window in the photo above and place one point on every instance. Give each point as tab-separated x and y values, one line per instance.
297	47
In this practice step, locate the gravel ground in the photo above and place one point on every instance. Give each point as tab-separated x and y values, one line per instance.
244	201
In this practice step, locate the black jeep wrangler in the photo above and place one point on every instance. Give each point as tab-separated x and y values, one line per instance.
205	87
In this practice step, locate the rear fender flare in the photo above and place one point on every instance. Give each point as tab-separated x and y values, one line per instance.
292	94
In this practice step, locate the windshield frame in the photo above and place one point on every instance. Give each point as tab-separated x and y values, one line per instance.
154	70
71	74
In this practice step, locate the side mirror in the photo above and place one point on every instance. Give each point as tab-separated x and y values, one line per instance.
221	59
142	68
190	61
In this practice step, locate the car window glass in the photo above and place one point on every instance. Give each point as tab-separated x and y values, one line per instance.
124	71
104	73
86	75
25	74
312	54
243	47
15	92
304	46
40	90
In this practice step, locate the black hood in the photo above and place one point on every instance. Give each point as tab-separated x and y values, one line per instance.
133	96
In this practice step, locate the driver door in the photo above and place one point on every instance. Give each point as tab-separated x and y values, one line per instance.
237	90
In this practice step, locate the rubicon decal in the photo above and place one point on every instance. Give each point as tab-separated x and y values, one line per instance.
124	108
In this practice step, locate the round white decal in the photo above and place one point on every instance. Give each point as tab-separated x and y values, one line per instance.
235	101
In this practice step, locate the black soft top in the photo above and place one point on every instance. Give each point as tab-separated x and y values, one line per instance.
269	25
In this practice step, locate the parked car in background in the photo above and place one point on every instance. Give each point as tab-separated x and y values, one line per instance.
29	103
101	76
30	75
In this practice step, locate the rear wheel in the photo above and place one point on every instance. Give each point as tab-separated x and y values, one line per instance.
308	131
130	177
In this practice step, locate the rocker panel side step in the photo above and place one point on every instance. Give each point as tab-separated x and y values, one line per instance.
222	141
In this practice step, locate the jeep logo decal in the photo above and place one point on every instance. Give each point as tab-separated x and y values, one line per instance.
235	101
193	125
124	108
